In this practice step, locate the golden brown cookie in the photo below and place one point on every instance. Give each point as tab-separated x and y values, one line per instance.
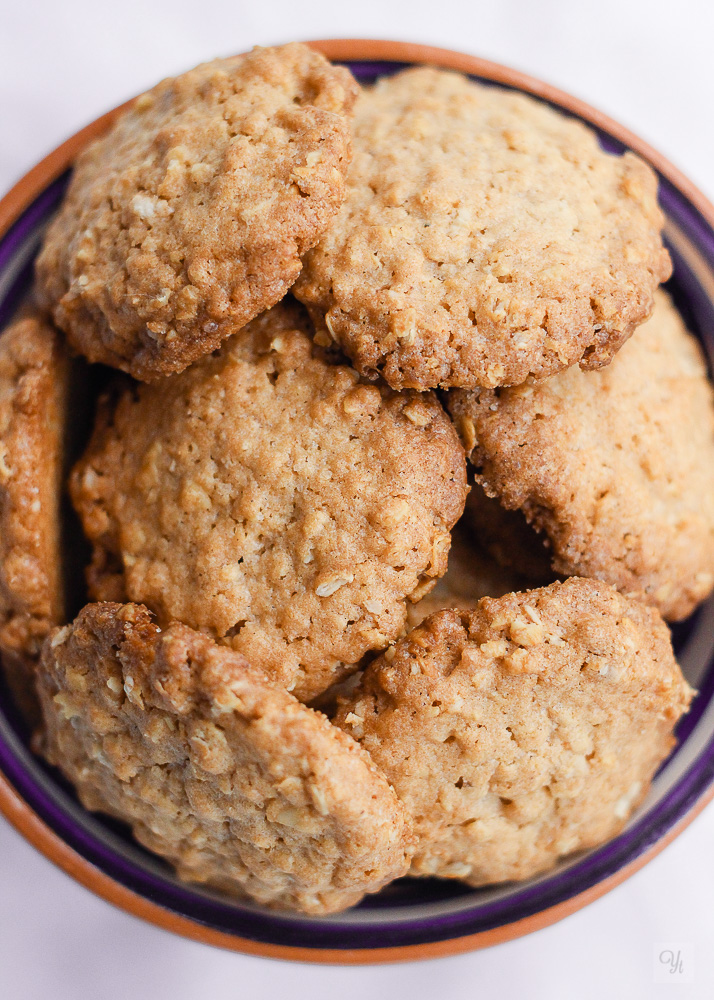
617	467
34	375
485	238
472	573
524	730
271	499
216	769
190	216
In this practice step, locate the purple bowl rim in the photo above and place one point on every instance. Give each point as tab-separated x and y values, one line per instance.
273	928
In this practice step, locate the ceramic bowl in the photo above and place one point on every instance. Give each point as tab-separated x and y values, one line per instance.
412	918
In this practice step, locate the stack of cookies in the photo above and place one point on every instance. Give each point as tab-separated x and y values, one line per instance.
407	462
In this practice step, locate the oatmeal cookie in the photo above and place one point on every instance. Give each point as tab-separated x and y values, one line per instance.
190	216
524	730
484	238
616	467
271	499
216	769
34	374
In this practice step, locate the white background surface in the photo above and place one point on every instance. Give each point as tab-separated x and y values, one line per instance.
648	64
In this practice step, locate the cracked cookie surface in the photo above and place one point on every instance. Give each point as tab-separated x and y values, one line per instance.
190	216
227	776
524	730
616	467
272	499
484	238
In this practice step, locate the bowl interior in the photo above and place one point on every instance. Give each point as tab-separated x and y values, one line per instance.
410	911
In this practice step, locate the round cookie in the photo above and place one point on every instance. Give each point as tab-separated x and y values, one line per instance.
472	573
524	730
216	769
34	385
269	498
190	216
484	238
616	467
